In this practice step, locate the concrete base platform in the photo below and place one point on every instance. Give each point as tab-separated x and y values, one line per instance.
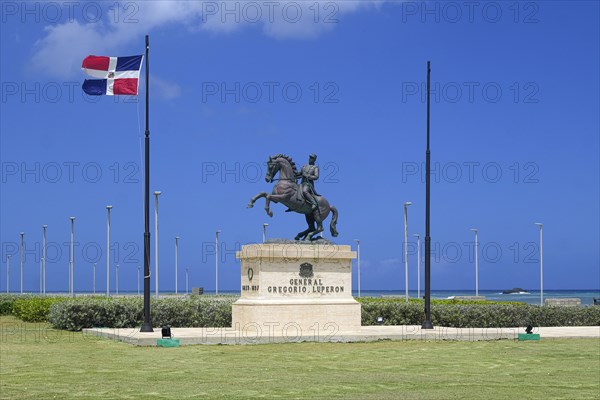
193	336
295	316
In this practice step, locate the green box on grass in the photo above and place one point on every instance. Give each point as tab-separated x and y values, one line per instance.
529	336
167	342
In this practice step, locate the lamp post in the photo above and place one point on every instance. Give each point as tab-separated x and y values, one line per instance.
138	281
187	273
147	324
44	255
265	232
406	204
427	324
108	208
476	261
156	194
358	263
94	278
72	281
217	261
117	279
541	266
41	275
418	264
22	258
8	273
176	260
44	276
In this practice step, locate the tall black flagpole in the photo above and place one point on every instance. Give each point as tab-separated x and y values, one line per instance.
147	325
427	323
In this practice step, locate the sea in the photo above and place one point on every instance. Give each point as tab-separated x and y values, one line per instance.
529	296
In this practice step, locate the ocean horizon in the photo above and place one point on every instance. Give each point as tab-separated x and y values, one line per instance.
531	296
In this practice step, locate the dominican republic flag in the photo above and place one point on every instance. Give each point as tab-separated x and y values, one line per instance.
118	75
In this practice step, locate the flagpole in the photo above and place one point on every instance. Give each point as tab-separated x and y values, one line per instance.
427	323
147	325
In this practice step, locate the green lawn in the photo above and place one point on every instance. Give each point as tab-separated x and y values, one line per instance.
37	362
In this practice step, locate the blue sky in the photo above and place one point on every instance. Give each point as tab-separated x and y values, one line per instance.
515	135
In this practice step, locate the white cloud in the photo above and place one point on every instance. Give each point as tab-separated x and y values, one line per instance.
318	17
60	52
284	19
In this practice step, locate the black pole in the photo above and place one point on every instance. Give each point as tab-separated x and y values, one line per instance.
427	323
147	325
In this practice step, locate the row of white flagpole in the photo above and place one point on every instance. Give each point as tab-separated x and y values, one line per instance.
71	280
108	209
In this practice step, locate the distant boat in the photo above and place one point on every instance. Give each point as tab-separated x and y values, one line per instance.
515	291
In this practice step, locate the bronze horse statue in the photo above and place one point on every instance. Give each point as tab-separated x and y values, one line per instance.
289	193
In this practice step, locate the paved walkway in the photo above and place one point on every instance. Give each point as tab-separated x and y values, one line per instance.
255	335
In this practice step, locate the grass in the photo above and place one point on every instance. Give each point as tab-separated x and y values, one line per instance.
37	362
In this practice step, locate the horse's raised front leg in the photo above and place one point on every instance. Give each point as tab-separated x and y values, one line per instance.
267	197
258	196
275	198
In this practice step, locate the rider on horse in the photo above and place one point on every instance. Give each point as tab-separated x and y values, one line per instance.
298	197
309	174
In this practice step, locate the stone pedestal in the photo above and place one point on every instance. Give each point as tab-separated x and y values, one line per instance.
296	289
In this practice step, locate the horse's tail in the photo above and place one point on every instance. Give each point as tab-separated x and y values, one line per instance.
333	224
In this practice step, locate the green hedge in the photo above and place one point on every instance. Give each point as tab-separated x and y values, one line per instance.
127	312
495	315
7	302
201	311
34	309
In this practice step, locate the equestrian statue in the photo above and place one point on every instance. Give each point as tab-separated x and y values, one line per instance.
301	198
